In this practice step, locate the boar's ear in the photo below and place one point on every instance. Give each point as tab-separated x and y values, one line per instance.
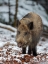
18	23
30	25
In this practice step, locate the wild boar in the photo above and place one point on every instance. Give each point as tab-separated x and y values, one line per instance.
29	31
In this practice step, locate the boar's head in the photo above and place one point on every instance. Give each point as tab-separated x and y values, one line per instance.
24	32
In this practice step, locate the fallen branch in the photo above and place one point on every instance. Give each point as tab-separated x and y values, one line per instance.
7	27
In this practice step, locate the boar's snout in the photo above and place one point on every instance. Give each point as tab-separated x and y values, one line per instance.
19	41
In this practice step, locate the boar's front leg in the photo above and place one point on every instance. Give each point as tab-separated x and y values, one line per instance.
24	50
29	50
34	51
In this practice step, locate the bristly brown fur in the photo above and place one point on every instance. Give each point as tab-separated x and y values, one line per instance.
29	32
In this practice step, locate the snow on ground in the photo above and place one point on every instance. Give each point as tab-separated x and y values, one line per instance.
42	47
10	52
8	37
25	7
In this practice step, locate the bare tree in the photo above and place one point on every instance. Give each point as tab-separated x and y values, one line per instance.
15	16
9	10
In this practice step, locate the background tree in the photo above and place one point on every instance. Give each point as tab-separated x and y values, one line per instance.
9	10
15	16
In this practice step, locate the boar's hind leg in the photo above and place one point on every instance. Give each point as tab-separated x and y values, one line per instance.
34	51
24	50
29	50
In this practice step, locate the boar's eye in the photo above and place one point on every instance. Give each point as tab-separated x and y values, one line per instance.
26	33
18	32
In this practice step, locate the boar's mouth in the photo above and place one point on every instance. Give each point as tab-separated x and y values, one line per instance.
22	45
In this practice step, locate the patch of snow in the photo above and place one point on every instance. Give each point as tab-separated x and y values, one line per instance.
35	59
1	44
12	2
0	58
12	10
47	57
6	17
17	48
4	9
6	1
18	60
44	45
21	55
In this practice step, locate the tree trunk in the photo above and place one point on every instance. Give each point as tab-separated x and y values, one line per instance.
15	16
9	10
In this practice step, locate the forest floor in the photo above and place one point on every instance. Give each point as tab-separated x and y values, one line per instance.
10	53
